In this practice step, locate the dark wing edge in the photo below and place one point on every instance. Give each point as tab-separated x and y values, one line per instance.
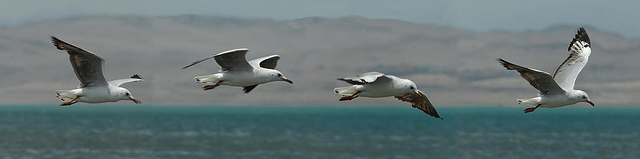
248	89
371	77
64	46
196	62
535	78
136	76
581	35
83	69
233	60
575	49
364	78
353	80
420	102
269	62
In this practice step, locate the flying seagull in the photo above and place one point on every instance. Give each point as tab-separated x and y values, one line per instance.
557	90
235	70
93	87
377	85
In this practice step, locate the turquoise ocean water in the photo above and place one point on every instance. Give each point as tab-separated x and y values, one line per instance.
104	131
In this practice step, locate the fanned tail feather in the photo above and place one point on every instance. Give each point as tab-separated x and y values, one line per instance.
65	95
206	79
527	101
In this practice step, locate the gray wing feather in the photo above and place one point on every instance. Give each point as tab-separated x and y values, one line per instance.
366	78
269	62
228	60
87	66
540	80
134	78
233	60
580	49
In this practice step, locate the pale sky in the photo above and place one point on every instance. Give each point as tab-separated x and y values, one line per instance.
512	15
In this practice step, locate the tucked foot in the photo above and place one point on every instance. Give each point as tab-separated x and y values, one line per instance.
529	110
67	103
208	87
347	98
72	101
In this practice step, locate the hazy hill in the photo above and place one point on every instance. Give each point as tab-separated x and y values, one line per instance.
453	66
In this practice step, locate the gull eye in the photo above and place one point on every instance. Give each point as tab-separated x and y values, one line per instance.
127	94
279	75
411	87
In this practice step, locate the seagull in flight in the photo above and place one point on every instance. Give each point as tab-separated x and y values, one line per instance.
235	70
377	85
557	90
93	87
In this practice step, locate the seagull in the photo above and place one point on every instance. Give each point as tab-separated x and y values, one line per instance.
377	85
93	87
557	90
235	70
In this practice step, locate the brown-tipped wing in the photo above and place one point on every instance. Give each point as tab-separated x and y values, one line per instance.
421	102
87	66
269	62
580	49
540	80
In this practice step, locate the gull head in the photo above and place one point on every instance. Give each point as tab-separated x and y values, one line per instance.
124	94
583	97
410	87
276	75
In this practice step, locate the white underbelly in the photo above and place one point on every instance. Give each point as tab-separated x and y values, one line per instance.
96	95
378	91
555	102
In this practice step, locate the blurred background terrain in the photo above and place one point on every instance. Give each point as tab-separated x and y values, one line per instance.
454	67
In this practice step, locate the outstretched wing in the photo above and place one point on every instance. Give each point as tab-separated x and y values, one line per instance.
196	62
540	80
421	102
134	78
580	49
87	66
233	60
366	78
228	60
269	62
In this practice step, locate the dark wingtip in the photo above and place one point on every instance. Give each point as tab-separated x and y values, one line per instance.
503	62
136	76
435	114
581	35
56	42
248	89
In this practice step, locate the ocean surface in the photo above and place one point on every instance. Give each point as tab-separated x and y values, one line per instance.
323	132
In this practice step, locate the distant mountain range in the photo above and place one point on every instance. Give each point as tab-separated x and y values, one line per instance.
454	67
